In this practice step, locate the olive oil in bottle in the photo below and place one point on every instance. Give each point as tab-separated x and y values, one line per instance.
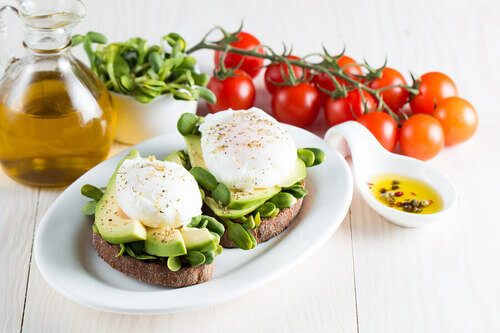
55	128
56	116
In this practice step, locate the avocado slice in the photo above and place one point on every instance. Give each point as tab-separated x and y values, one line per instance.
231	213
111	222
198	239
297	174
174	157
245	199
193	145
164	242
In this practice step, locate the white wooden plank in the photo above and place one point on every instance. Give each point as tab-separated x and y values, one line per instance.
18	209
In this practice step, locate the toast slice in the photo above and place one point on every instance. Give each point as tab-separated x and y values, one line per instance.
270	227
151	271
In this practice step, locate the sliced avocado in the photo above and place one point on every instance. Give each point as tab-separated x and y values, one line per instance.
231	213
174	157
164	242
193	145
198	239
297	174
111	222
242	200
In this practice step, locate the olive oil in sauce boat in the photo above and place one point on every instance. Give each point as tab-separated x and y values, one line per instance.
373	169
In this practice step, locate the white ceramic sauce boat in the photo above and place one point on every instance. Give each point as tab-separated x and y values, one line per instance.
370	159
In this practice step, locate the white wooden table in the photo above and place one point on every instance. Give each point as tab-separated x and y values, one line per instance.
371	276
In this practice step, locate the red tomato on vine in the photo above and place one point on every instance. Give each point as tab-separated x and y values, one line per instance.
296	105
348	108
249	65
383	127
235	92
273	73
434	87
322	80
458	118
421	137
395	98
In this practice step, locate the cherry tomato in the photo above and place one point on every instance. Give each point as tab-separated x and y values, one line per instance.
348	108
250	65
434	87
296	105
421	137
458	118
273	74
383	127
394	97
236	92
322	80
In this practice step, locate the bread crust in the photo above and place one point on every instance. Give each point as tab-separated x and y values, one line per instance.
269	227
155	272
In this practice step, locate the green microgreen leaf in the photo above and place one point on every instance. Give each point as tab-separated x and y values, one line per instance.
283	200
266	209
200	79
204	178
207	95
91	192
135	250
218	250
307	156
87	47
319	155
156	61
97	37
89	208
240	236
77	39
222	194
122	250
127	83
297	192
174	263
195	258
209	257
187	123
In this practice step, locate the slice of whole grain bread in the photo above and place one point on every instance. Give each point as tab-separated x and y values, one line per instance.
155	272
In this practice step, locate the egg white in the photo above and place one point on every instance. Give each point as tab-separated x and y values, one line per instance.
157	193
247	149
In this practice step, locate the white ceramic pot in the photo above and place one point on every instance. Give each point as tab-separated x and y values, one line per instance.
137	122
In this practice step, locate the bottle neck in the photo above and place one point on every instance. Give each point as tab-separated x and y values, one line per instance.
46	40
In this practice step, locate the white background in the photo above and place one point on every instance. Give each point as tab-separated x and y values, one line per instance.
371	276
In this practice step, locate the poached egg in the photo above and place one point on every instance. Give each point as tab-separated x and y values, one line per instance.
247	149
157	193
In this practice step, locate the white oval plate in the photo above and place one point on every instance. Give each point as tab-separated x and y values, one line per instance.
65	257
